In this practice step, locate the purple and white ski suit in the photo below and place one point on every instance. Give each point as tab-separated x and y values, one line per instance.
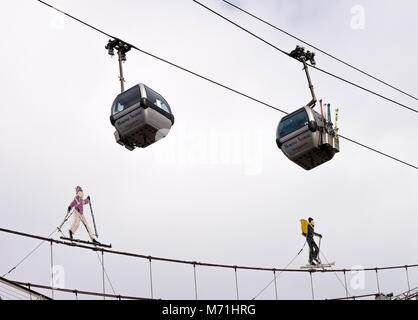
78	203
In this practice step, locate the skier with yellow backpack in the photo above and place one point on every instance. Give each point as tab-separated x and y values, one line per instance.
308	232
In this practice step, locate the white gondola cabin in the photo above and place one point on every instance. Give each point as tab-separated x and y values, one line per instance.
141	117
304	139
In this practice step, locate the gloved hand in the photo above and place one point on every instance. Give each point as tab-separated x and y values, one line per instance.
88	197
69	209
320	236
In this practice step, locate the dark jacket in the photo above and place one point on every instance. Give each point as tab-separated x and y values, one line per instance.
312	233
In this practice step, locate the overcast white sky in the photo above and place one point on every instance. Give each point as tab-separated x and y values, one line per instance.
216	189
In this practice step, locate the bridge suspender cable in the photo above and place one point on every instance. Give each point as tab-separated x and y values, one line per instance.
205	264
194	264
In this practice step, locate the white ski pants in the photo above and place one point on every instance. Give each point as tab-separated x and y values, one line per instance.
76	223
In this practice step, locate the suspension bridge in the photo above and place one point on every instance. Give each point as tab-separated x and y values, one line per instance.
17	289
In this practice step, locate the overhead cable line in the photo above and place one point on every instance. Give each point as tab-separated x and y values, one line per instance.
377	151
319	50
164	60
76	19
213	81
319	69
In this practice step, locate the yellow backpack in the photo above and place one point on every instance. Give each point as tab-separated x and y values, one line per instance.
304	224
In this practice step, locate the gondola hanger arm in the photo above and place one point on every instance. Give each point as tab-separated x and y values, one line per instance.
122	48
302	56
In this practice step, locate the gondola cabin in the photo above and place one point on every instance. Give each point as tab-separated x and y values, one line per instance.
306	138
141	117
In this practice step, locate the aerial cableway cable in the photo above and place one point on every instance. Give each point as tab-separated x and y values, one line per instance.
317	68
320	50
215	82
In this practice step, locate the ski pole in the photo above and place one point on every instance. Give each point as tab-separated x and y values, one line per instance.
319	249
322	117
67	216
336	125
94	221
329	126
